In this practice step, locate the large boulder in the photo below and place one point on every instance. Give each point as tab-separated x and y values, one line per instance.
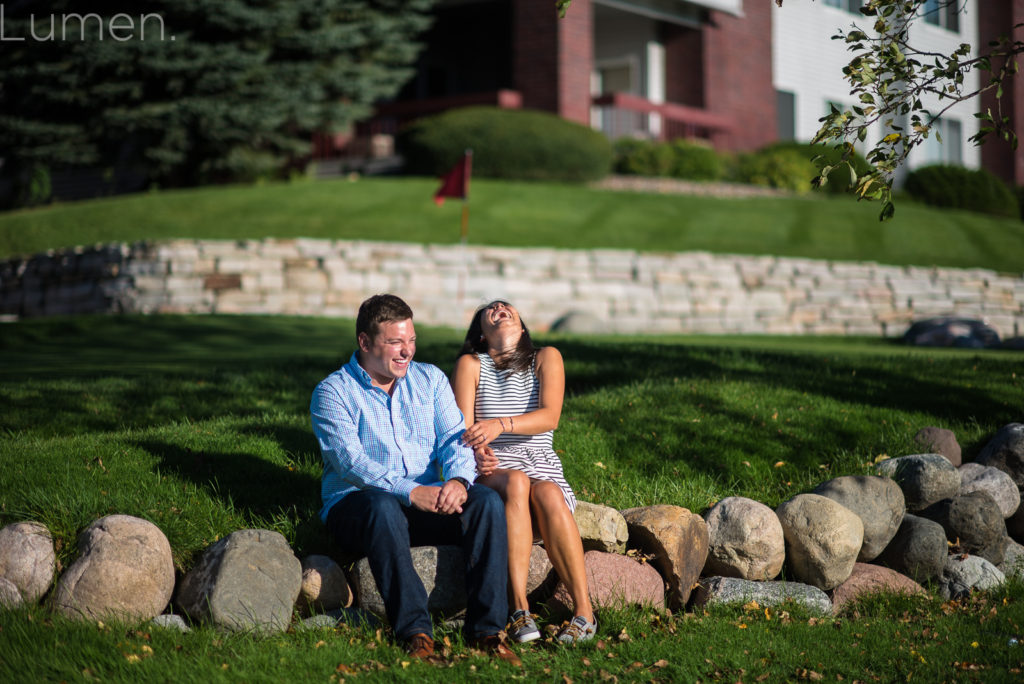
1013	560
678	540
936	440
973	521
924	478
823	539
873	579
964	574
124	571
744	540
442	569
602	528
27	558
613	581
1006	451
324	586
975	477
877	501
918	550
950	331
249	580
724	590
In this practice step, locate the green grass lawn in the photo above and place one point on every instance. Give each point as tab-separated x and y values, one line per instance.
200	424
529	214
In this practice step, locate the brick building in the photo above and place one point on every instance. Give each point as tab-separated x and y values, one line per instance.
739	73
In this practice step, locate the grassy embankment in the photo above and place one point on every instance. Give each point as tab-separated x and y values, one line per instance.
527	214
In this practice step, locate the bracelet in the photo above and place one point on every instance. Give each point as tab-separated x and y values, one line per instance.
502	423
513	423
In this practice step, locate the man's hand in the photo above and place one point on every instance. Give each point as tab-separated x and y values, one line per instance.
426	498
453	495
486	461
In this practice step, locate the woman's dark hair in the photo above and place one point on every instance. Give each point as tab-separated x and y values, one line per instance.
520	359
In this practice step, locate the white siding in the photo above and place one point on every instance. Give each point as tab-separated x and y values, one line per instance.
806	62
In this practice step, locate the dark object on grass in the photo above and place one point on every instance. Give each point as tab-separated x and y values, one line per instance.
951	332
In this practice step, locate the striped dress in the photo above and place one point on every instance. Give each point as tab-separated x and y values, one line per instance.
507	393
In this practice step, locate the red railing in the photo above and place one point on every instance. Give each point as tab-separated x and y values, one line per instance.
625	115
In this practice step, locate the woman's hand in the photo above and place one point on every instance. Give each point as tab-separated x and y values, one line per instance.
483	432
486	461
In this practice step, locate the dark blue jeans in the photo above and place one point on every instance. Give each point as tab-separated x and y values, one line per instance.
375	524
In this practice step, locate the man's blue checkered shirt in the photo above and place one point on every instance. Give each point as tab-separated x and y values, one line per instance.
370	440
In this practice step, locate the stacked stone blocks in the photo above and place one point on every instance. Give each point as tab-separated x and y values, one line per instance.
627	291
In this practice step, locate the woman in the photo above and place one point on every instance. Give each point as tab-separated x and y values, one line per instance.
511	396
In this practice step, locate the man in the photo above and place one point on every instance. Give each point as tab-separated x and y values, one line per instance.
397	474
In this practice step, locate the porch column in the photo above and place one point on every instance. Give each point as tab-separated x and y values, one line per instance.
553	58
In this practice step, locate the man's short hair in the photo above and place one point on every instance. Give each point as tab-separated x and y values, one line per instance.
382	308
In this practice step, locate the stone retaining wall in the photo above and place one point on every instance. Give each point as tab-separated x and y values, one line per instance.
620	290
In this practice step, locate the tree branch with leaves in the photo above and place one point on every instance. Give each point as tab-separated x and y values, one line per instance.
891	81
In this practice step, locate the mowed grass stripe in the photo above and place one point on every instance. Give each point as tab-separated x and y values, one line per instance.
526	215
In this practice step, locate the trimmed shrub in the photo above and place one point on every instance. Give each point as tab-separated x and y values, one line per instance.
638	157
978	190
786	169
677	159
839	179
506	143
695	161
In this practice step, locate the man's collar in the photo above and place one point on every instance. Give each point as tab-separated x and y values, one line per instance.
362	376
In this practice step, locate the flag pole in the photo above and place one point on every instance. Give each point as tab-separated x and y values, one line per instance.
467	169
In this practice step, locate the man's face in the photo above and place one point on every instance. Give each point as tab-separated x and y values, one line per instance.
388	354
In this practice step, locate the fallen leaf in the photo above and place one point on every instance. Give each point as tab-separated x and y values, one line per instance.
779	464
658	664
600	465
752	605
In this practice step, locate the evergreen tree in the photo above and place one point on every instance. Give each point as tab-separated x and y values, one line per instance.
193	90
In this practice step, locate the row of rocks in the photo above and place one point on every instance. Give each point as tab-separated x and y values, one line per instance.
852	534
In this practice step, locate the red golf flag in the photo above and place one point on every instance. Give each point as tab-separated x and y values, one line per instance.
456	182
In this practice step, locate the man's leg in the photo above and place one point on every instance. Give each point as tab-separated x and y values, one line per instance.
482	533
485	545
374	524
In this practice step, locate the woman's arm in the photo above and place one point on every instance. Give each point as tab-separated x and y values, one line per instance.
551	374
465	378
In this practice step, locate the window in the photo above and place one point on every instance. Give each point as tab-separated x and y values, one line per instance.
944	13
852	6
950	149
785	108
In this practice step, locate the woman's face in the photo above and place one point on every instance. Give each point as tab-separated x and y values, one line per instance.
498	315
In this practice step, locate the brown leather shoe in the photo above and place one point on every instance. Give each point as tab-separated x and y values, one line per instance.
495	646
420	646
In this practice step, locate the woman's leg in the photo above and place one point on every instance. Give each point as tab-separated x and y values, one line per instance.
562	541
514	488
